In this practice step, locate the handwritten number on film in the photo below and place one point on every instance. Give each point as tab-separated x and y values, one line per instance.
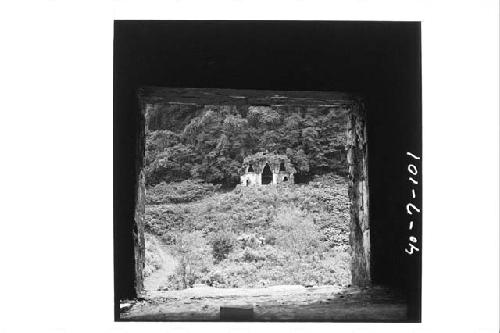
411	208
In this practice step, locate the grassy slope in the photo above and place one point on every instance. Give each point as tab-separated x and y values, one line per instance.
259	212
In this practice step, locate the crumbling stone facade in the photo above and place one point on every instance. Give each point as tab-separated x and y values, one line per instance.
264	168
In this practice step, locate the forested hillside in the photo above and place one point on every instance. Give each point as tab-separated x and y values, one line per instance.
210	142
222	234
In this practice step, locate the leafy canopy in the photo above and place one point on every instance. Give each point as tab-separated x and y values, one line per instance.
215	143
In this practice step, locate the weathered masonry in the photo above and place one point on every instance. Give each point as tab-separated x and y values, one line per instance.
346	112
265	168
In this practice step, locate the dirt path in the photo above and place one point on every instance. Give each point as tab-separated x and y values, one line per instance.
158	278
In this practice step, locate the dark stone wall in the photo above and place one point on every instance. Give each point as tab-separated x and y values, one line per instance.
357	158
126	136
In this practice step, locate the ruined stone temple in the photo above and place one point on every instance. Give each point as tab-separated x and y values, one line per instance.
265	168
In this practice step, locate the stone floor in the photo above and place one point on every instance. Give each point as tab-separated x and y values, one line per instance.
280	303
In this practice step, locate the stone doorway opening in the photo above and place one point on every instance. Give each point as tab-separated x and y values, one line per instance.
348	109
340	108
267	175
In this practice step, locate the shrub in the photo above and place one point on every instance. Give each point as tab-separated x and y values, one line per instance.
265	253
222	244
153	255
297	232
179	192
340	266
229	274
251	240
271	239
278	235
192	254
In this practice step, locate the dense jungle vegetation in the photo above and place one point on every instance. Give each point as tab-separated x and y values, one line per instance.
212	144
225	235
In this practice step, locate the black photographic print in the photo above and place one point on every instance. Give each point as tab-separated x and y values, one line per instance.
267	171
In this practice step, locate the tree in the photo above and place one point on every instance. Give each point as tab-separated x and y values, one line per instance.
297	232
193	255
213	145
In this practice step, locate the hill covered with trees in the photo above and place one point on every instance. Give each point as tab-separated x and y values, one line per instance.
210	142
225	235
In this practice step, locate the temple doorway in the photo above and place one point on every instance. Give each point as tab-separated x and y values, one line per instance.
267	175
